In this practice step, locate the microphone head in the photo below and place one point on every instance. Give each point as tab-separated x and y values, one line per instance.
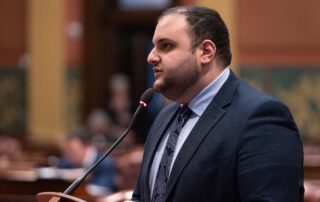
146	97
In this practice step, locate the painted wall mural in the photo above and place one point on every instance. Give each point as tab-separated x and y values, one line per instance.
298	87
12	101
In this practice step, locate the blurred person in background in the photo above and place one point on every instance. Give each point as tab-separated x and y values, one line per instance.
10	152
79	152
119	109
105	132
100	126
119	106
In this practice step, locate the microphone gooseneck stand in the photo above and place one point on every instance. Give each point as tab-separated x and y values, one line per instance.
65	196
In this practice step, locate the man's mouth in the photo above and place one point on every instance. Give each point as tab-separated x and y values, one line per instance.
156	71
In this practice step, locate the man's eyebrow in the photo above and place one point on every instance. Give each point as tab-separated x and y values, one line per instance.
161	40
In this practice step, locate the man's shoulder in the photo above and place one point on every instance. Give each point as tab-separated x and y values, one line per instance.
253	96
247	99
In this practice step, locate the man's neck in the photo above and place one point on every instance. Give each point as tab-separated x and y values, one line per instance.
203	82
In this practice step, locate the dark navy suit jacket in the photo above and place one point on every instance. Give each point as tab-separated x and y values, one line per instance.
245	147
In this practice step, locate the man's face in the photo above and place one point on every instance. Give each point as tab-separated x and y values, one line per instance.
176	67
75	151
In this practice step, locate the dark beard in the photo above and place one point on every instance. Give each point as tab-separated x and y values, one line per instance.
174	88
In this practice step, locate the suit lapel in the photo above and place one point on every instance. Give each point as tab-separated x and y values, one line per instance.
211	116
156	136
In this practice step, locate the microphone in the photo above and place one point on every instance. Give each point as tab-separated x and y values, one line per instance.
143	103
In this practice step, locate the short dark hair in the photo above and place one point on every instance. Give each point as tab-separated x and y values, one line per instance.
81	133
205	23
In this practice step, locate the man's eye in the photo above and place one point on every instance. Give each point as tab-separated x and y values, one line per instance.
166	46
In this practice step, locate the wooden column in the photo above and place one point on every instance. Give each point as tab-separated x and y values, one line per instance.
46	72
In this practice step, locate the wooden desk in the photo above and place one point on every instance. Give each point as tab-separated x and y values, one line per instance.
14	190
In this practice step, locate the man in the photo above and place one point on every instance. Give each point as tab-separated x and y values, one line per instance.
79	152
236	144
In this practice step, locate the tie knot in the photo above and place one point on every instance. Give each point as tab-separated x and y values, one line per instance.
185	112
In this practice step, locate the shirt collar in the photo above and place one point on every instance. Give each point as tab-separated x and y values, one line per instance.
199	103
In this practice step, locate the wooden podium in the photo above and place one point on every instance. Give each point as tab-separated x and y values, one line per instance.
56	197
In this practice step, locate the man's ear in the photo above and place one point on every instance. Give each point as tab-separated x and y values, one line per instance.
208	51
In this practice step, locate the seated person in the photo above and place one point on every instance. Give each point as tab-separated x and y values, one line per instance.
79	152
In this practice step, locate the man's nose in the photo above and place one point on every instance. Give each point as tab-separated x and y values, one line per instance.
153	57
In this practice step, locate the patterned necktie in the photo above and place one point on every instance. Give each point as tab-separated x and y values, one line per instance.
166	160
